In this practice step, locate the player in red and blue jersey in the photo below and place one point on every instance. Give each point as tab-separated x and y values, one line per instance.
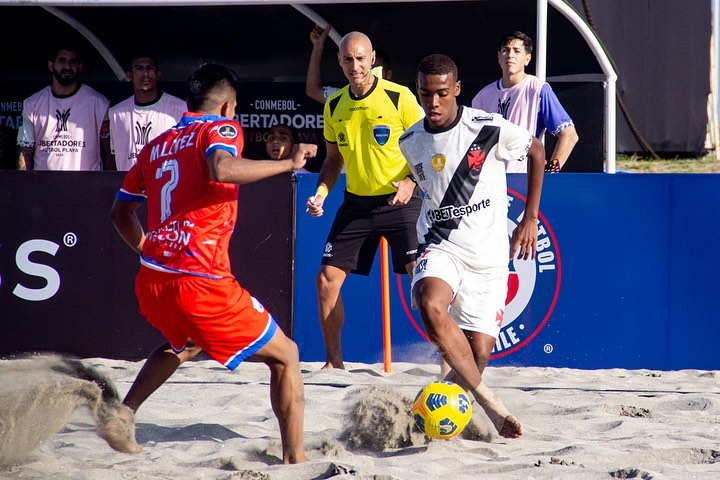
188	177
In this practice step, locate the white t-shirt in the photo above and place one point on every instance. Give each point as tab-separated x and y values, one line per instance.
64	131
132	125
461	171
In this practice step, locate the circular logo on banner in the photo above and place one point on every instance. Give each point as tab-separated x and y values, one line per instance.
531	282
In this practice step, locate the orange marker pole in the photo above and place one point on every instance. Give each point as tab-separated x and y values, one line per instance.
385	285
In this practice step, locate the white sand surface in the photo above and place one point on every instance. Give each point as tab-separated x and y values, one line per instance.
209	423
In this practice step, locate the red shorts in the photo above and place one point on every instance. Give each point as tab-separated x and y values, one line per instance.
219	316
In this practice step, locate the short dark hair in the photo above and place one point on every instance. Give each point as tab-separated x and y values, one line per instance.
152	56
517	35
69	45
293	131
209	85
438	64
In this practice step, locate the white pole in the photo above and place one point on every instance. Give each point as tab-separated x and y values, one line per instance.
310	13
541	40
610	78
714	99
93	39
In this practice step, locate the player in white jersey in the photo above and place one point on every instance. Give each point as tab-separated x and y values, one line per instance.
143	116
457	156
63	122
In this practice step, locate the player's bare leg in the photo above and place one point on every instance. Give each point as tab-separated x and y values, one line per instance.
433	296
332	313
506	424
287	393
158	367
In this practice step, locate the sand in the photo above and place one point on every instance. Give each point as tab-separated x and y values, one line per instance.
209	423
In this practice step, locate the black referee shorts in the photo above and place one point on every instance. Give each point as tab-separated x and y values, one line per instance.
360	222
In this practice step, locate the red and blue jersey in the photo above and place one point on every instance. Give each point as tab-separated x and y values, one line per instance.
190	218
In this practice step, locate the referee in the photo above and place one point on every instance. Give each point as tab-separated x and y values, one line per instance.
363	122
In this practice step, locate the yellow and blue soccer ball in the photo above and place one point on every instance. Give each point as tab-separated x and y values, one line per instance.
442	409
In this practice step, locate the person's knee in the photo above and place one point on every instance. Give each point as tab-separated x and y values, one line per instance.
327	284
430	308
288	353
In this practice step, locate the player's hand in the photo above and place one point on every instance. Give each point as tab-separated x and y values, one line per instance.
524	239
405	189
318	35
301	152
314	206
553	166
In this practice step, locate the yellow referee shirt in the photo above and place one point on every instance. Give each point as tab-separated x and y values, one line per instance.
366	130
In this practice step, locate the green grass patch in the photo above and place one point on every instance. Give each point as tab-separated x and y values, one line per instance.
636	164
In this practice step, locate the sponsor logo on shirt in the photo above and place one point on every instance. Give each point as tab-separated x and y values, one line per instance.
481	118
227	131
451	211
419	171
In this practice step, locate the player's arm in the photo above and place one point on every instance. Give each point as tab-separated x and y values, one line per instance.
566	140
558	123
25	158
226	168
106	147
525	235
127	224
313	80
26	144
329	173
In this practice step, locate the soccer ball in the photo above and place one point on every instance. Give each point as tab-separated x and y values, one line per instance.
442	409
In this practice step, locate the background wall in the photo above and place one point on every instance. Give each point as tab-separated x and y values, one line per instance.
628	273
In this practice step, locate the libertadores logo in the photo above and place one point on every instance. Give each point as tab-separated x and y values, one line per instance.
531	283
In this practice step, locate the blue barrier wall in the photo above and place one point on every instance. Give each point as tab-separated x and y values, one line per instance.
628	273
628	276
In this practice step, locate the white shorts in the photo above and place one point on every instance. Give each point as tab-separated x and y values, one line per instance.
478	294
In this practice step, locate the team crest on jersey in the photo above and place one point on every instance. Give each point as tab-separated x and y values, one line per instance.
438	162
227	131
530	281
475	157
381	134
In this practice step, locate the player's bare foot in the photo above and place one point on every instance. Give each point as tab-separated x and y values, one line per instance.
511	428
292	459
333	365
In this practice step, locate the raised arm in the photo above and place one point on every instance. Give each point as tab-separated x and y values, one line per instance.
313	80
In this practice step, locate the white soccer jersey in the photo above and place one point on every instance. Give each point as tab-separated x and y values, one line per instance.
132	125
461	170
64	131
